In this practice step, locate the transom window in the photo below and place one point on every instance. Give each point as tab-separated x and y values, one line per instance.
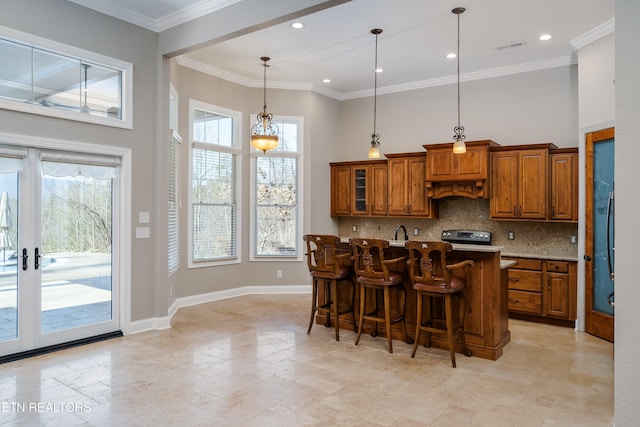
42	77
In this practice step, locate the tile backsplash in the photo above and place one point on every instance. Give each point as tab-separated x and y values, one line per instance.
531	238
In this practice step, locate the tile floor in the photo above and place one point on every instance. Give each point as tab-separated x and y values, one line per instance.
247	361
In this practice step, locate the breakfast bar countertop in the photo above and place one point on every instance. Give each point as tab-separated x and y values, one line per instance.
456	246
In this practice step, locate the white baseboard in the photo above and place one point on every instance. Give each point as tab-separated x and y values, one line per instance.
165	322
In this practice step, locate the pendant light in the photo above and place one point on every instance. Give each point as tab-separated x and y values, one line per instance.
374	151
459	146
264	134
85	108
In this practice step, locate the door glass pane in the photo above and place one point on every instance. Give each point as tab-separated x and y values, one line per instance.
8	257
76	261
603	153
361	189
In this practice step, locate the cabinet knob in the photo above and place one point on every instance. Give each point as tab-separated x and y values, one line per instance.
587	258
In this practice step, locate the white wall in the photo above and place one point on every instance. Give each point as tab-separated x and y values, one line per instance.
596	76
627	232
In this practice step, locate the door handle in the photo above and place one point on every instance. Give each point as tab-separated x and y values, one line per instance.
36	263
25	257
611	299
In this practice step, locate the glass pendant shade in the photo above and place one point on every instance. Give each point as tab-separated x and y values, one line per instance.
459	147
374	152
264	133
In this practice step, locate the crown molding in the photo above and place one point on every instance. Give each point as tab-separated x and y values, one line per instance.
440	81
466	77
181	16
157	25
595	34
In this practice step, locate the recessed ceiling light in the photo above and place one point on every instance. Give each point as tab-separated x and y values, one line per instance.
297	25
545	37
326	80
378	70
451	55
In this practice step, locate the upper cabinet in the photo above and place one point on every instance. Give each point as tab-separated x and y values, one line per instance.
563	202
359	188
406	191
449	174
341	185
519	182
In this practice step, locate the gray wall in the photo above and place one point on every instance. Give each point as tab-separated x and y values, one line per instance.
525	108
320	116
66	22
627	233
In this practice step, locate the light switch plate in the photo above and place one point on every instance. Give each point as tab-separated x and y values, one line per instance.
143	232
144	217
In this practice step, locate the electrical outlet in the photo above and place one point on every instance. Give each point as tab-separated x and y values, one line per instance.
511	235
354	227
279	274
574	239
416	231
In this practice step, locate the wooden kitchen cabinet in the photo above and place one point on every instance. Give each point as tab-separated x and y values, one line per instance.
359	188
340	189
449	174
563	201
406	191
543	290
519	183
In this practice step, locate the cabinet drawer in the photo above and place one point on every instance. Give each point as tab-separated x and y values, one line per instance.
557	266
525	280
527	264
527	302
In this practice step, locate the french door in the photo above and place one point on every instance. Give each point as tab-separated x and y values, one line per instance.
56	256
599	242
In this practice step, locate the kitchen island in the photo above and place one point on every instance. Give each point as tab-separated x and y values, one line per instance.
487	314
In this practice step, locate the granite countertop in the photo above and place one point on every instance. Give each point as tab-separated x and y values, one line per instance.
456	246
545	257
507	263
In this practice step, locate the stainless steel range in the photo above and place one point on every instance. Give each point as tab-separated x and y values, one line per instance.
474	237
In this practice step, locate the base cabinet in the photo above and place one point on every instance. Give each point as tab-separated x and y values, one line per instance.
543	290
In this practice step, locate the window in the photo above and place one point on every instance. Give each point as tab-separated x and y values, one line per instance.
215	182
276	183
43	77
174	204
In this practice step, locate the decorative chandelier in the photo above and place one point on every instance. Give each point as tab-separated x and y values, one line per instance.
374	151
459	146
264	134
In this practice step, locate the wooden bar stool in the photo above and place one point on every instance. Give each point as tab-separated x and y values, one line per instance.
330	267
432	277
378	274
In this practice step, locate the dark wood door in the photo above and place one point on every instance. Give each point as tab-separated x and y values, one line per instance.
599	315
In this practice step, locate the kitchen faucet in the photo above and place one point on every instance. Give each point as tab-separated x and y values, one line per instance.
406	237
